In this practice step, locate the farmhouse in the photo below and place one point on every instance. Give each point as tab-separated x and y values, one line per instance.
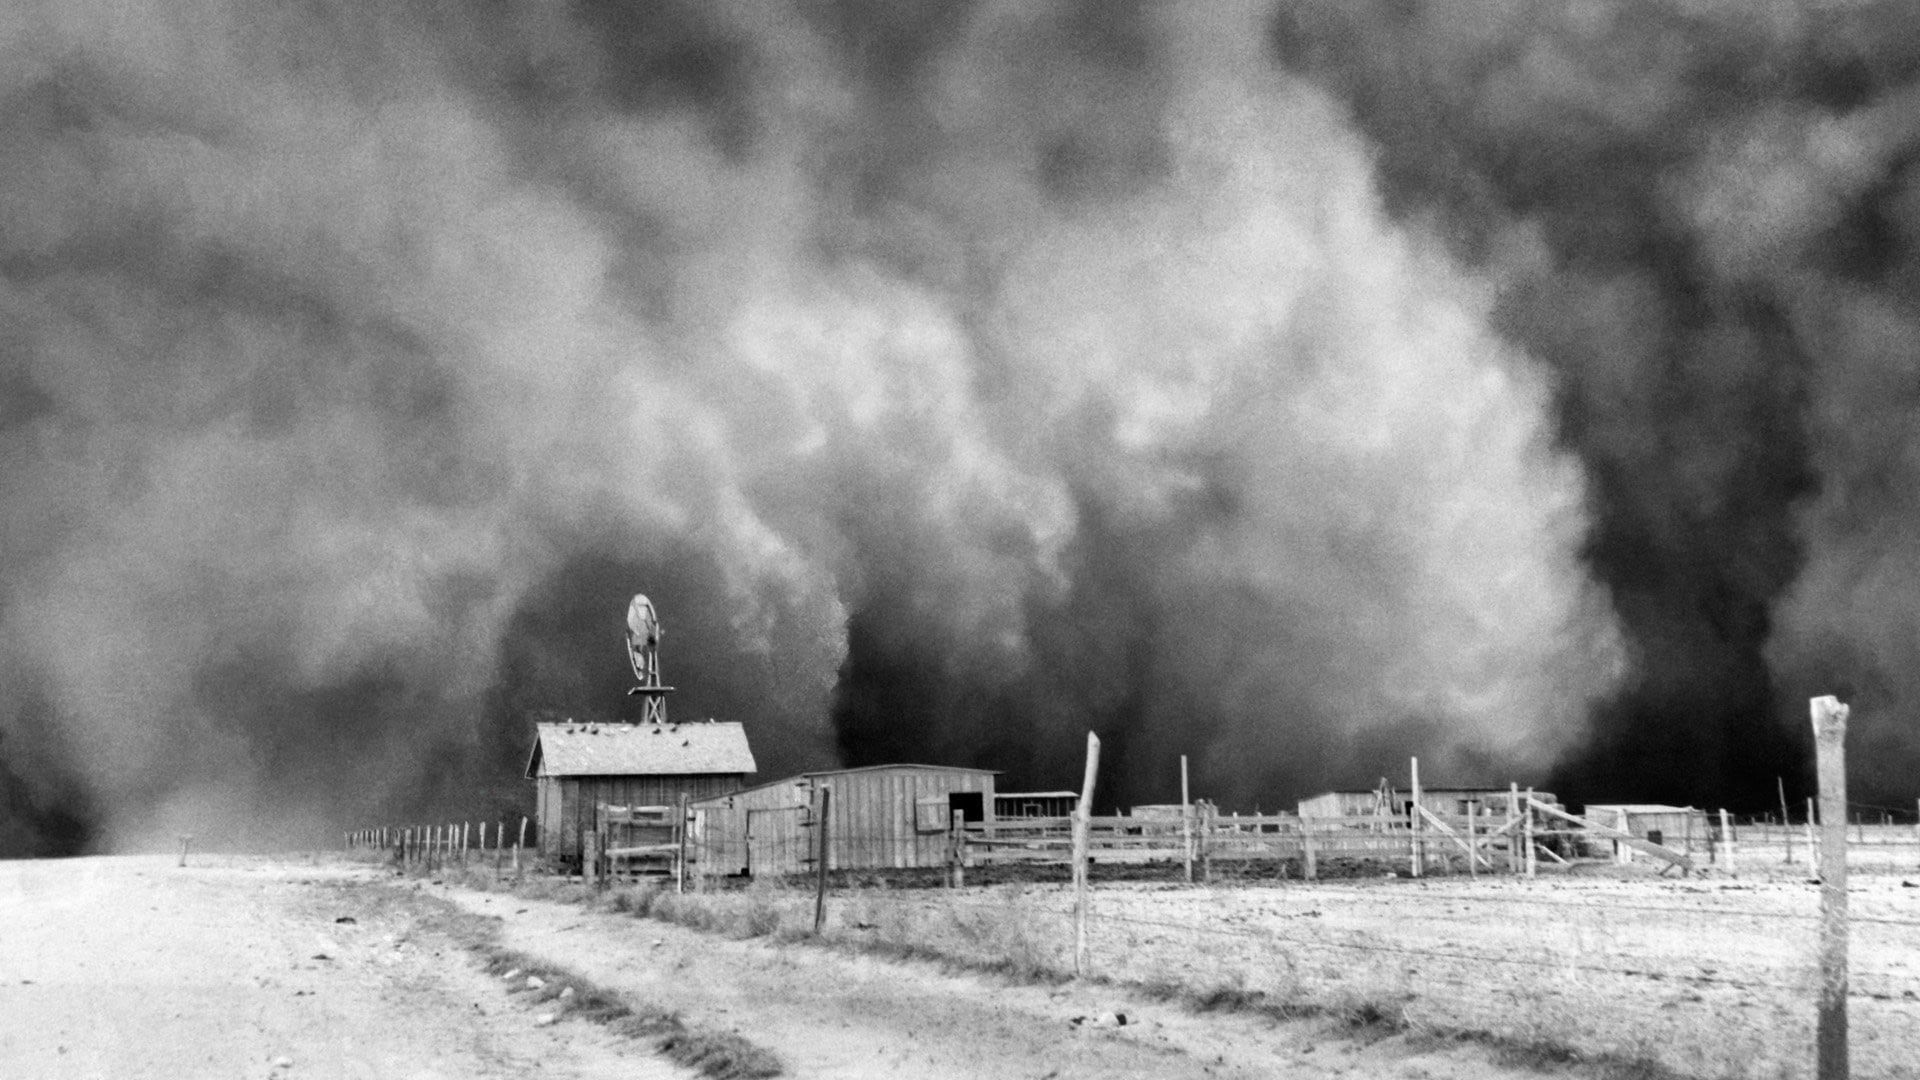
1677	827
880	816
579	767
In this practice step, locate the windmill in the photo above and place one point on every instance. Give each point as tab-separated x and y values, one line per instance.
643	652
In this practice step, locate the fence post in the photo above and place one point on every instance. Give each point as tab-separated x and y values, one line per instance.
1208	814
1309	867
680	865
1418	856
1526	826
956	836
1186	819
1473	856
186	842
1728	848
1082	826
824	851
1829	743
1513	830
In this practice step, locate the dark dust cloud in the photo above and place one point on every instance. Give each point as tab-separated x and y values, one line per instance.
1293	386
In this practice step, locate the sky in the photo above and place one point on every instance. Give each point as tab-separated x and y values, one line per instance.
1296	386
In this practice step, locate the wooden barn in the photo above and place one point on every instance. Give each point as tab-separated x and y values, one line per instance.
880	817
578	767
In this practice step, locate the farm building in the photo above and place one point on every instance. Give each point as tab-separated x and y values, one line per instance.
880	816
579	767
1681	828
1034	804
1443	801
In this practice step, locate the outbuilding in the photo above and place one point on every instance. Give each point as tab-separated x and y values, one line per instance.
879	817
1676	827
579	767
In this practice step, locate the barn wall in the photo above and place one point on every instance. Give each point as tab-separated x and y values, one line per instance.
873	815
567	804
768	831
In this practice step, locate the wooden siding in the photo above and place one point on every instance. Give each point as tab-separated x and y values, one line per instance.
567	804
768	830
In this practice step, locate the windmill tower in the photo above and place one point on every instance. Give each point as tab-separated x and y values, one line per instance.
643	652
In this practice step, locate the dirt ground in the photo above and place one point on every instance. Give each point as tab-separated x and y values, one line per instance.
1708	977
131	967
120	967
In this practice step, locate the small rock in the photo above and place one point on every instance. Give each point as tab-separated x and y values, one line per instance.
546	1019
321	956
511	975
347	920
657	942
283	1062
567	994
535	982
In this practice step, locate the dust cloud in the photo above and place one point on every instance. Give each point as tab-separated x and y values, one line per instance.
956	377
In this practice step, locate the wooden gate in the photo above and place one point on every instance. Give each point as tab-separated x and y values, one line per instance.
777	841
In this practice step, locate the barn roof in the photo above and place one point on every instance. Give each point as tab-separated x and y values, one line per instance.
1641	808
801	778
882	768
639	750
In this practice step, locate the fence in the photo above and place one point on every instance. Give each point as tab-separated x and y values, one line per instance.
432	846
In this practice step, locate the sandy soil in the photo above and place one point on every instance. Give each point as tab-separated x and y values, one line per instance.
119	967
1710	977
131	967
831	1013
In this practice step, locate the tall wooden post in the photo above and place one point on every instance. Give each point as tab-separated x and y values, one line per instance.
956	835
1473	854
1526	827
1082	826
1186	819
680	833
1419	857
1309	858
1513	828
1829	744
822	854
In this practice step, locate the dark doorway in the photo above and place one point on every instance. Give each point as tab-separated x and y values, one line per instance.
971	804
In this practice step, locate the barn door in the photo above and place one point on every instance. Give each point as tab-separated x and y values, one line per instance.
777	841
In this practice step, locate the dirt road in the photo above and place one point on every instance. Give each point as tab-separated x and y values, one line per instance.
118	967
132	967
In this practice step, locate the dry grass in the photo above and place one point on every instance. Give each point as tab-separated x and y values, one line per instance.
718	1054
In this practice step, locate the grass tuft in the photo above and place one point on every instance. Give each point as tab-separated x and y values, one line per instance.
720	1055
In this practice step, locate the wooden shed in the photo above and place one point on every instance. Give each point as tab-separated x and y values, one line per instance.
578	767
1681	828
880	817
